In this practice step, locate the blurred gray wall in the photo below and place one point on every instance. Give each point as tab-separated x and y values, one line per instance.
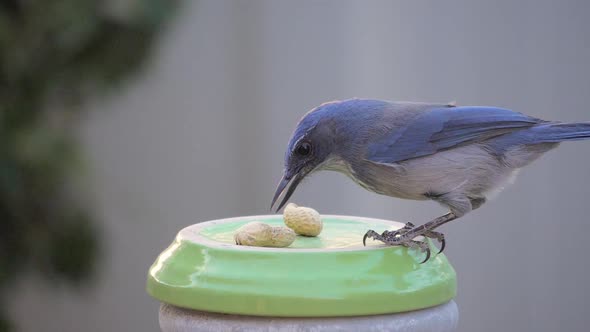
201	135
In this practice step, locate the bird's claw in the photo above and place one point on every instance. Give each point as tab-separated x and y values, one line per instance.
397	238
440	237
372	234
422	246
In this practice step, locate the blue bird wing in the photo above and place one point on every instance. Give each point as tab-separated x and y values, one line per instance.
445	128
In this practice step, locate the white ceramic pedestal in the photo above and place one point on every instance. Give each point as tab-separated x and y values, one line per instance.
443	318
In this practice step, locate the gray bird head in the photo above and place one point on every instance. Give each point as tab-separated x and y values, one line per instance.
324	138
313	141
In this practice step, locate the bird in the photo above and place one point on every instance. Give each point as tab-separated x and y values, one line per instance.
454	155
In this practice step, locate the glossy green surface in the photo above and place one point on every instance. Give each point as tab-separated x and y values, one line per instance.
332	275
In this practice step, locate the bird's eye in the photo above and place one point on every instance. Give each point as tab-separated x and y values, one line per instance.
303	149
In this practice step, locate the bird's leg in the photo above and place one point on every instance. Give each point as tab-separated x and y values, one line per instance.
404	229
459	206
427	229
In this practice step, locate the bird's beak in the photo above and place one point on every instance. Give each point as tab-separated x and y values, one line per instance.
289	184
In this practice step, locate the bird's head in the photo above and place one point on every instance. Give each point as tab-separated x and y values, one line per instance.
313	141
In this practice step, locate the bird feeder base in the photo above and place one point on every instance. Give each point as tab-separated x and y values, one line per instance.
442	318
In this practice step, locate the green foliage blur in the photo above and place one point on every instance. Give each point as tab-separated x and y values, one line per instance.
52	55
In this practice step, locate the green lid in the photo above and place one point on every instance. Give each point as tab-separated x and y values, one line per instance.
329	275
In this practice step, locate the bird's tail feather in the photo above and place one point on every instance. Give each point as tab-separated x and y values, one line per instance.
558	132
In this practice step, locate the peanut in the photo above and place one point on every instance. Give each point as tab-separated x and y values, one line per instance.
256	234
303	220
259	234
281	237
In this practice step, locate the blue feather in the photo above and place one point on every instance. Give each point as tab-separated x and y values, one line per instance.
559	132
445	128
548	132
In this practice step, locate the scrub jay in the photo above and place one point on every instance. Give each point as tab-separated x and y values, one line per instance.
421	151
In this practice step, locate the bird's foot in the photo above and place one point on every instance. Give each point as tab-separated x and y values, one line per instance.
440	237
388	237
398	238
